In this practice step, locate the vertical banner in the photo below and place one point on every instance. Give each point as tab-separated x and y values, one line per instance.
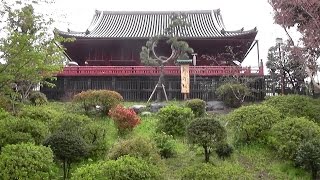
185	79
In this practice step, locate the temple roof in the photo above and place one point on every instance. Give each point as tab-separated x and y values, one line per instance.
145	24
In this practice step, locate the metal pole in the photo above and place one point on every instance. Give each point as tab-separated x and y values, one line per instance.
282	72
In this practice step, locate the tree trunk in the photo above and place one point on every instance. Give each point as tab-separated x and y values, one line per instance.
314	173
64	170
206	153
160	82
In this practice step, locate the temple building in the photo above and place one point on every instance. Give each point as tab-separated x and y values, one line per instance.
107	53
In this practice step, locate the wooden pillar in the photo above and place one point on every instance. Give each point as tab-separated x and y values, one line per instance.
170	89
89	84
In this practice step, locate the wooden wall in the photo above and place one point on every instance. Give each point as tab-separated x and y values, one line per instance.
140	88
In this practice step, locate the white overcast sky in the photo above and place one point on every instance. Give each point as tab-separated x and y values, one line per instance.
236	14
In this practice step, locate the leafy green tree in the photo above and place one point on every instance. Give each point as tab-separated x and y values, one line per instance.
26	161
308	156
68	147
29	48
206	132
179	49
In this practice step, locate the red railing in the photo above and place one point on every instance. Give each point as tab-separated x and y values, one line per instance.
155	71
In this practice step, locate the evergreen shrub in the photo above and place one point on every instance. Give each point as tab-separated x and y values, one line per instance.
166	144
173	120
252	123
232	93
38	98
198	107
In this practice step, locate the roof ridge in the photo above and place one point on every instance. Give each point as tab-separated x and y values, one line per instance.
158	12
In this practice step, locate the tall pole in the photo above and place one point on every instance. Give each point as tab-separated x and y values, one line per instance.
279	42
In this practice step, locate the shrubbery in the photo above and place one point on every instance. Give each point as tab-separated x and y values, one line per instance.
26	161
106	99
38	98
124	119
252	123
308	156
173	120
198	106
124	168
232	94
287	135
224	150
95	135
208	172
3	114
136	147
15	130
295	106
207	133
166	144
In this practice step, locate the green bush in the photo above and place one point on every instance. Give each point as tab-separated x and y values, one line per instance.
166	144
232	93
70	122
15	130
136	147
224	150
3	114
106	99
207	133
252	123
286	135
125	168
173	120
68	147
224	171
44	114
308	156
38	98
26	161
295	106
198	107
5	102
95	135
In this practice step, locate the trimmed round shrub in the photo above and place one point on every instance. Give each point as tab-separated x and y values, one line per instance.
198	107
136	147
166	144
124	119
308	156
252	123
68	147
173	120
287	135
295	106
208	171
26	161
38	98
224	150
104	99
15	130
125	168
207	133
232	94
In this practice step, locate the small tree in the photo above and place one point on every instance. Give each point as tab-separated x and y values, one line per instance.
67	147
26	161
179	49
206	132
233	94
308	156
